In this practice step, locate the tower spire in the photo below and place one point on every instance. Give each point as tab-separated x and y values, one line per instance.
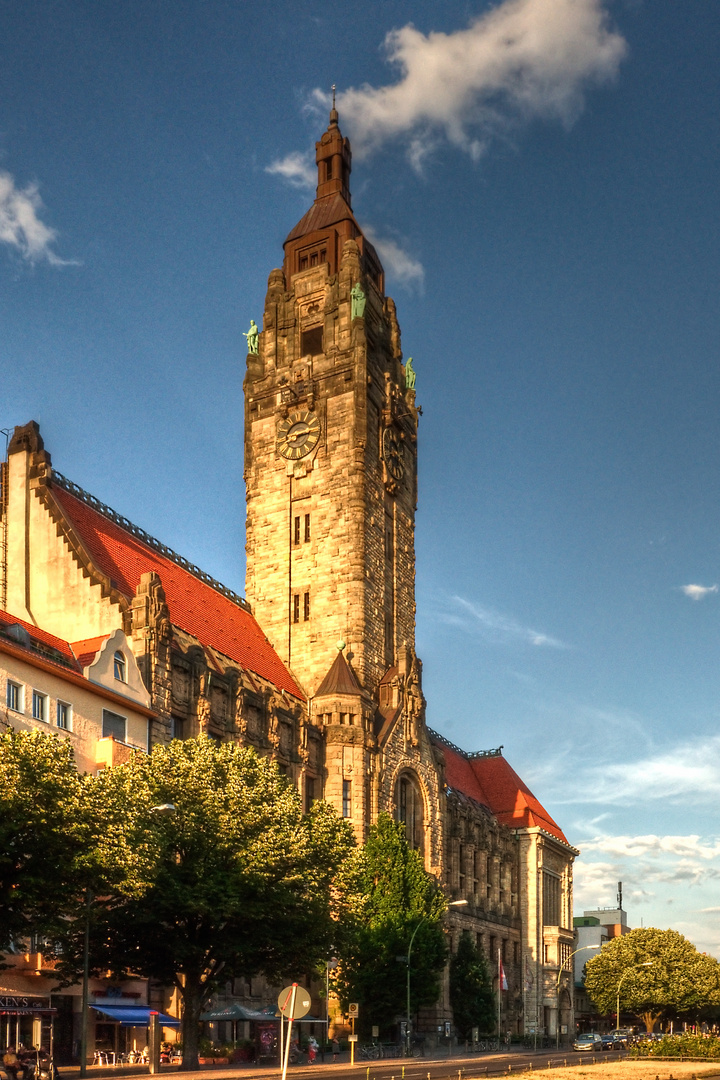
333	111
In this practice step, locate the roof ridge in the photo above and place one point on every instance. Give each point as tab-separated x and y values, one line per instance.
145	538
469	755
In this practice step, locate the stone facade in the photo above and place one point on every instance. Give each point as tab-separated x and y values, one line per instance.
317	667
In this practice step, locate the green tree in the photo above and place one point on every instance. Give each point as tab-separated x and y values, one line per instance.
471	997
661	972
40	833
386	896
235	882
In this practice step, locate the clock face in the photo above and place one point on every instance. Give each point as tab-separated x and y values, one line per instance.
392	454
298	435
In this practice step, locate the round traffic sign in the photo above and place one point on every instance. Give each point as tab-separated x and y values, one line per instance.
294	1002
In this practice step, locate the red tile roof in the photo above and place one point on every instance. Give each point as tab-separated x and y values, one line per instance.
40	640
491	781
195	606
87	650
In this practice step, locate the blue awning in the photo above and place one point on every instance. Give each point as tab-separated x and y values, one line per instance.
134	1015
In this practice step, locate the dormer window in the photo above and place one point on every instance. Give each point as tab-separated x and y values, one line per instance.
120	666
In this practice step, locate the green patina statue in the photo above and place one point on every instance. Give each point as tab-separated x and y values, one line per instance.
358	301
252	338
409	375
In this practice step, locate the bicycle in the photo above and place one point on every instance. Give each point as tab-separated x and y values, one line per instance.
370	1052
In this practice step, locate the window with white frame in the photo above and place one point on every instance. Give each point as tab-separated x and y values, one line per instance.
114	725
63	717
15	697
40	706
120	666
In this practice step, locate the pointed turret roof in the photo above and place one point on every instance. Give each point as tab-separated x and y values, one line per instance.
329	222
339	679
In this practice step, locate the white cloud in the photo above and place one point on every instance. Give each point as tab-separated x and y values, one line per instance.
20	227
688	773
651	844
521	60
698	592
299	169
398	263
496	626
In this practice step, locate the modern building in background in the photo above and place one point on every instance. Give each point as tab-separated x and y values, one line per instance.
316	667
593	929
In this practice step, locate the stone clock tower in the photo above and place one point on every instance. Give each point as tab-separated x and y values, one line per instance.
331	451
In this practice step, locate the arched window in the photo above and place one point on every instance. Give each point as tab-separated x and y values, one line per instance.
410	810
120	667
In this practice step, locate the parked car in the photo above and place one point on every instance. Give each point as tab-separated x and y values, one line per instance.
609	1042
591	1042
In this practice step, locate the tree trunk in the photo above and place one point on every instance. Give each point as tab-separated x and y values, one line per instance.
193	1000
650	1019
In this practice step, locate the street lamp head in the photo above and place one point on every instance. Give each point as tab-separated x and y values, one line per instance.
457	903
164	808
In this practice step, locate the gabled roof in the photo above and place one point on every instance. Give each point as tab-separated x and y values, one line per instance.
46	645
489	779
339	679
195	606
87	650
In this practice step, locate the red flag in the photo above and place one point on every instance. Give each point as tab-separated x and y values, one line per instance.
501	974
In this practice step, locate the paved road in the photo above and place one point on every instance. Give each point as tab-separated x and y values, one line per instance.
457	1067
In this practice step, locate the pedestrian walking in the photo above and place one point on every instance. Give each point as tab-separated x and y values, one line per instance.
335	1049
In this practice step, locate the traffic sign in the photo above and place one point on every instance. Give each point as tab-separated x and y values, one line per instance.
294	1002
353	1009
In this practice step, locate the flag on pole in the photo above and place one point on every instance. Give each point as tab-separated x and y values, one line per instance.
502	981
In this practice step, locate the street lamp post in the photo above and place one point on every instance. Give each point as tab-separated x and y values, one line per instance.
557	987
453	903
646	963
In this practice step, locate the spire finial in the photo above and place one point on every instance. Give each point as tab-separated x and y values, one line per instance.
333	111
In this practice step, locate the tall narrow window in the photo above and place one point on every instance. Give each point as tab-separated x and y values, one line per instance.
296	608
120	667
14	697
307	529
306	606
347	798
64	715
461	869
410	810
39	706
310	792
296	531
551	899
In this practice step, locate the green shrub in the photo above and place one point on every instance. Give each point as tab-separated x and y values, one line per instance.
699	1046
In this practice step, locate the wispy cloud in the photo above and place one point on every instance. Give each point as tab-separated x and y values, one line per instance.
297	168
687	773
20	226
521	60
651	844
698	592
494	625
399	264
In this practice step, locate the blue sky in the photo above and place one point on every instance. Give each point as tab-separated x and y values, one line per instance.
541	179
